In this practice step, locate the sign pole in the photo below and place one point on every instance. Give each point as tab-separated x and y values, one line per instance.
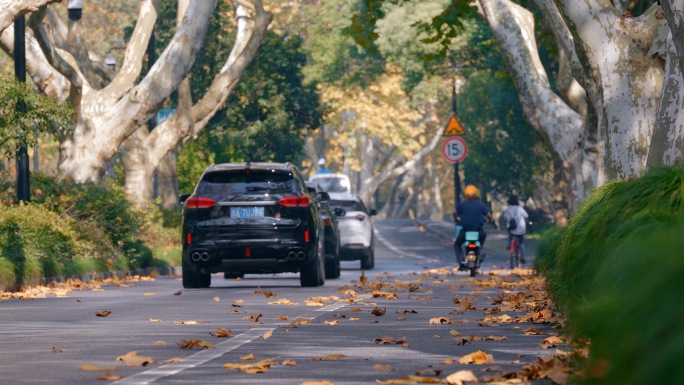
457	179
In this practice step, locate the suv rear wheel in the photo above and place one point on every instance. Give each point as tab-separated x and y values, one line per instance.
193	277
310	274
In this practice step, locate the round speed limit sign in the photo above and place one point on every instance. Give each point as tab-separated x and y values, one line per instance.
455	149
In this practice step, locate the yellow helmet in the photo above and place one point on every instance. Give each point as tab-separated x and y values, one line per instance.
471	192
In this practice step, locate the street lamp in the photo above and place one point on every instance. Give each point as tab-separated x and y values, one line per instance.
75	8
22	162
110	61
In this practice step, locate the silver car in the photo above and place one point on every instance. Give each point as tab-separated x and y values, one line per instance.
356	229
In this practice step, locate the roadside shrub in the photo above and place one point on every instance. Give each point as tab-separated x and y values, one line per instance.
614	214
7	276
546	248
633	317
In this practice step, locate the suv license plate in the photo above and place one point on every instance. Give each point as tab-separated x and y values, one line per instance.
246	212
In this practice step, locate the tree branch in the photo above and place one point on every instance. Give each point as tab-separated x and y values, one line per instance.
11	9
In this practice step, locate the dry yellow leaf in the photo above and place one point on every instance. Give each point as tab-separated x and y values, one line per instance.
249	357
171	360
478	358
447	361
89	367
378	312
283	317
289	363
356	310
335	322
460	377
496	338
354	319
437	336
109	377
239	301
401	318
159	342
383	368
329	357
550	342
148	294
103	313
386	295
222	332
217	299
410	379
282	301
133	359
455	333
267	335
252	367
189	344
155	320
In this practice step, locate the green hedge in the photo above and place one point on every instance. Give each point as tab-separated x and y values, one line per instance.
615	272
74	228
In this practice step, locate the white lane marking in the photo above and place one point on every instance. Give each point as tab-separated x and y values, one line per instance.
396	249
204	356
194	360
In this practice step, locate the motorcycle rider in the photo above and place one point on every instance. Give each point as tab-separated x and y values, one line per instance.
471	215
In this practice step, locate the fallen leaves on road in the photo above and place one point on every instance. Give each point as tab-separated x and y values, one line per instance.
298	322
88	367
550	342
335	322
378	312
385	295
217	299
253	318
222	333
383	368
251	367
103	313
329	357
267	335
283	317
266	294
282	301
133	359
390	340
289	363
109	377
155	320
478	358
410	379
190	322
172	360
189	344
249	357
460	377
446	320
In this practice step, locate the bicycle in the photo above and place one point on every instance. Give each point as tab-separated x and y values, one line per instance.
515	253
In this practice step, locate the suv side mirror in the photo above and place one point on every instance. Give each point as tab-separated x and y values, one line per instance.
339	212
183	198
373	212
323	196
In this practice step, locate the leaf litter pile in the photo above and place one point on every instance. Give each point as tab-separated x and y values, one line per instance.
62	289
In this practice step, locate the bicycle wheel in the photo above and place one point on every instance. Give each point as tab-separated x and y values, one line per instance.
515	253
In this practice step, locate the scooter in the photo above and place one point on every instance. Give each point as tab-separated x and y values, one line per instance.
472	251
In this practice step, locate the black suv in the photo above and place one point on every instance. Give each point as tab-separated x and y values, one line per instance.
251	218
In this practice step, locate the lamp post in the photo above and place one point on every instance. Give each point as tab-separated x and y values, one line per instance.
22	162
110	61
75	8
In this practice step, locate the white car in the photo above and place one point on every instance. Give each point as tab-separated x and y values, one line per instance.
356	229
332	183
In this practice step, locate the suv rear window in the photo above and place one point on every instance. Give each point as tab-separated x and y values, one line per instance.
240	182
331	184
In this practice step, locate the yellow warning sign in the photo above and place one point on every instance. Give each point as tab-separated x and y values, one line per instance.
454	127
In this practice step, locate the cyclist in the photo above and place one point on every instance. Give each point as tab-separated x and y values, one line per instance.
471	215
321	167
515	218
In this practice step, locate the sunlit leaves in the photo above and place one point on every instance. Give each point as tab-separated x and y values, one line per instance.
190	344
329	357
478	358
133	359
251	367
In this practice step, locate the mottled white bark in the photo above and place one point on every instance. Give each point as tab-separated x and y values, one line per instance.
189	120
560	125
105	117
674	14
614	51
667	142
10	9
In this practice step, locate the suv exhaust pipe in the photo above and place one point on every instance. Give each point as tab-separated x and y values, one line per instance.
195	256
204	256
301	255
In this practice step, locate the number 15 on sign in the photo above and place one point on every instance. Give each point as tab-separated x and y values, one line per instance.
454	149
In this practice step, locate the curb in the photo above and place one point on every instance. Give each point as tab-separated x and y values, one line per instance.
87	278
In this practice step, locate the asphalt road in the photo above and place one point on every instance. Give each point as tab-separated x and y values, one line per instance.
47	341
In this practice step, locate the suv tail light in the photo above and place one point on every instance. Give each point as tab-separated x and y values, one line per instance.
295	201
200	203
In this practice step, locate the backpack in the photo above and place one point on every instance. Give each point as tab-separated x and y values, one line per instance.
512	224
